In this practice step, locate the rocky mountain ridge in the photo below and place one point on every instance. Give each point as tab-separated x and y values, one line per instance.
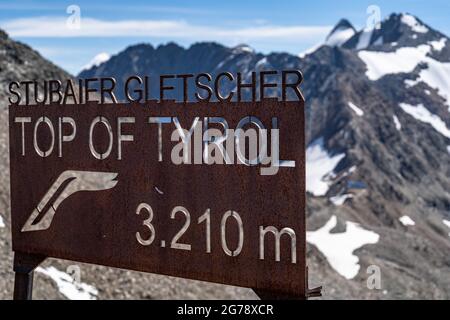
377	126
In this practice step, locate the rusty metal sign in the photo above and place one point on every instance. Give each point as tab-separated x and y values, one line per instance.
164	187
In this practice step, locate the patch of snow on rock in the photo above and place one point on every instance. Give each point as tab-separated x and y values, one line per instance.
357	110
438	45
364	39
2	223
410	83
67	286
338	248
310	50
348	172
422	114
97	60
412	22
447	223
242	48
261	62
340	199
397	123
339	36
403	59
436	74
319	164
406	221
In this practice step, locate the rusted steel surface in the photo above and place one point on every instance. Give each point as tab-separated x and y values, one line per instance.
100	227
24	265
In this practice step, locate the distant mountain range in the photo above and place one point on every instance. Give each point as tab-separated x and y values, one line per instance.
378	155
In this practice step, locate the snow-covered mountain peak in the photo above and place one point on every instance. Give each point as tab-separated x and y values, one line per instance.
395	31
343	31
413	23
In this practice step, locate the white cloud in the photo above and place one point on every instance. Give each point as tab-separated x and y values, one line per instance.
21	6
90	27
56	51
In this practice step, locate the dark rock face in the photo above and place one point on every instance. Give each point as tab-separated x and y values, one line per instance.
393	160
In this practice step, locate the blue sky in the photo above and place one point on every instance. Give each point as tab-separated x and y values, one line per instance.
110	26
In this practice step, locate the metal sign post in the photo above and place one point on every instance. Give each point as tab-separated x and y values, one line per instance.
174	188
